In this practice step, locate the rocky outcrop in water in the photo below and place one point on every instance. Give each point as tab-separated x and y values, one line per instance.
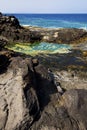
9	21
14	32
29	100
63	35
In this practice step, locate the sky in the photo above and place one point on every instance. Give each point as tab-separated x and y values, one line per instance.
43	6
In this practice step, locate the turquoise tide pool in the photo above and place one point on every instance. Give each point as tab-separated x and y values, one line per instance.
37	48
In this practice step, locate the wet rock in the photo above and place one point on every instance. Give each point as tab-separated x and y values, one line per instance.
3	42
35	62
64	35
35	36
0	14
9	20
85	53
4	62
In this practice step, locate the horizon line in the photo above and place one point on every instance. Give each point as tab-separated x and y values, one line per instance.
40	13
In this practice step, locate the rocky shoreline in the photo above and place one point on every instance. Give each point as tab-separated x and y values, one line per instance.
14	32
29	100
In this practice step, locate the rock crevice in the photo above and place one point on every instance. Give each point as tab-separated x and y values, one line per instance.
29	100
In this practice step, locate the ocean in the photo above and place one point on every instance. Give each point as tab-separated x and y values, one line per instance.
53	20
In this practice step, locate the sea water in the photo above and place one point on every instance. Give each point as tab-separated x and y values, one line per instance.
53	20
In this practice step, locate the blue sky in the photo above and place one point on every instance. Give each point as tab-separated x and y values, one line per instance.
43	6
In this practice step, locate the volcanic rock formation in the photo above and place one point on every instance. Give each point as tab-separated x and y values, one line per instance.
14	32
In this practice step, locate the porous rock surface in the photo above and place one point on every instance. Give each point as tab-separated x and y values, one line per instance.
18	101
29	100
67	114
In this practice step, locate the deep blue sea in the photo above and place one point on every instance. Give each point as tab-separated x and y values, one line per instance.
53	20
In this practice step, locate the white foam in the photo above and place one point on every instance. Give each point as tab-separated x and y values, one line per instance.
25	25
85	28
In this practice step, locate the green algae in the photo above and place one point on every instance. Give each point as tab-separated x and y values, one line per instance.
39	48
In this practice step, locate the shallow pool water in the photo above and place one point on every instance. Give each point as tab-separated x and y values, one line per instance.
43	47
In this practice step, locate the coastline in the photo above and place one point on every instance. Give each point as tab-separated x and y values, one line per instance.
29	98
